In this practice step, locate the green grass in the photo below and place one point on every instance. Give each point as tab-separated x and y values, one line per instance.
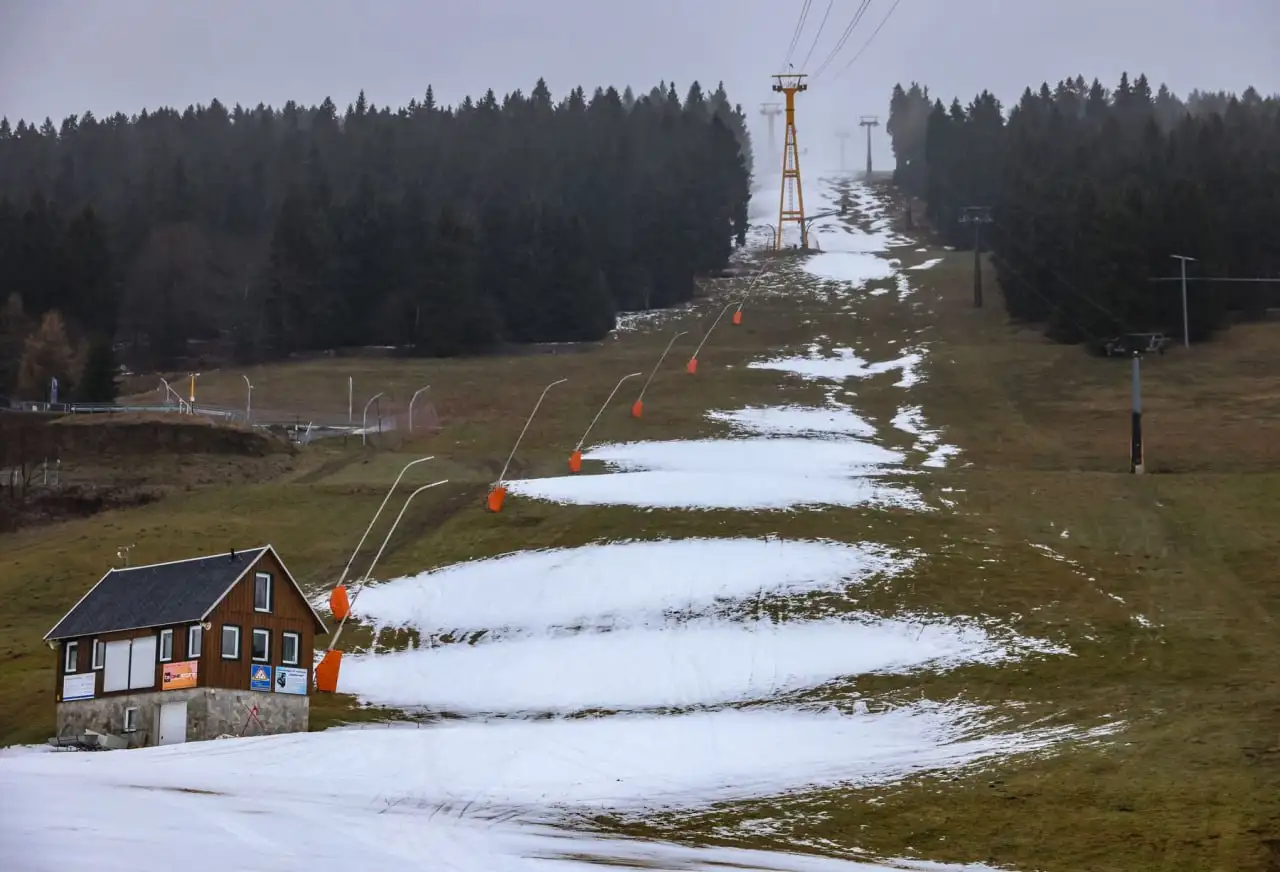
1193	780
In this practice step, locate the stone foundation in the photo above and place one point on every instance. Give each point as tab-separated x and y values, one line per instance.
211	712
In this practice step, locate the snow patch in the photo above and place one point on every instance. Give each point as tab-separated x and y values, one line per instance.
617	582
796	421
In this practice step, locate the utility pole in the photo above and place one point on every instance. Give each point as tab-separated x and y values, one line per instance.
790	84
977	216
1186	328
1184	278
869	121
771	111
843	136
1136	465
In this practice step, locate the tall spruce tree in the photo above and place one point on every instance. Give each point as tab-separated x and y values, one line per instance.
1093	189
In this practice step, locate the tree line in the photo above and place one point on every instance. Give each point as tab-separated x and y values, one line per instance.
260	233
1093	189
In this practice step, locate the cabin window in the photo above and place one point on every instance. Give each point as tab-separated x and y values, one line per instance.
230	642
99	654
166	646
131	719
290	643
262	592
70	656
195	638
261	650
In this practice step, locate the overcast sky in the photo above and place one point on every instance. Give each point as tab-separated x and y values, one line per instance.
58	57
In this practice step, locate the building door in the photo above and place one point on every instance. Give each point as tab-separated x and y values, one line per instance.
173	723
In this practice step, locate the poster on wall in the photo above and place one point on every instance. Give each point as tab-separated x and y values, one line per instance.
176	676
80	686
259	677
290	679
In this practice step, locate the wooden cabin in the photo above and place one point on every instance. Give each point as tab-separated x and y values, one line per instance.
186	650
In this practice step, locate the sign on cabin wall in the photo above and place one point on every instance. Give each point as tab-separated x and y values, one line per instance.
178	675
80	686
290	679
259	677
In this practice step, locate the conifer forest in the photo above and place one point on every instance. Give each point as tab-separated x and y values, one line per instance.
1093	190
267	232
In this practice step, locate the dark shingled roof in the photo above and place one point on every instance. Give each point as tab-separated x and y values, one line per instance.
181	592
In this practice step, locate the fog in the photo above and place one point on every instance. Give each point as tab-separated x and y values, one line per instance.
59	57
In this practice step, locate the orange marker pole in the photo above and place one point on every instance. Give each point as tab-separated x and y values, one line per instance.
575	459
499	493
692	365
637	408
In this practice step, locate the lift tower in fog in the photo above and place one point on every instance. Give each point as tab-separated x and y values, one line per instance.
791	197
771	111
843	136
868	122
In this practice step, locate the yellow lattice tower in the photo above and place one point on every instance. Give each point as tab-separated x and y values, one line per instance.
789	84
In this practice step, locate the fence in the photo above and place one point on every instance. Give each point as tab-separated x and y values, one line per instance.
297	427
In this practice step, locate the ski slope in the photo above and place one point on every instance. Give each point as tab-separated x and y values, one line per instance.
617	677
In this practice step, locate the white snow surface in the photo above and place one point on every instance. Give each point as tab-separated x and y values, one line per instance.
619	583
797	421
706	662
745	474
855	268
458	797
928	264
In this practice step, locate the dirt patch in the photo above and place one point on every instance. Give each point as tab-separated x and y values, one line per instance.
25	436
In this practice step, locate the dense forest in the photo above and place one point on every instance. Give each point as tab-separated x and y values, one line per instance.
259	233
1092	190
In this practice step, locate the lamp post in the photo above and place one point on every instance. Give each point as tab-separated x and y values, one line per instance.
413	400
364	419
248	403
1186	324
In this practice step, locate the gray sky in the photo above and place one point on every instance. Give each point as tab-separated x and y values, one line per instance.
63	56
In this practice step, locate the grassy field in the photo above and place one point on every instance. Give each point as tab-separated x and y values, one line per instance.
1163	585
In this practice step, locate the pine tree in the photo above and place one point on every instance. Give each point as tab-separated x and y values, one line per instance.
99	382
13	329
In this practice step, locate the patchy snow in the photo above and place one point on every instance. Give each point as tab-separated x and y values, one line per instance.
603	585
631	321
797	421
910	419
928	264
940	456
842	364
705	662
